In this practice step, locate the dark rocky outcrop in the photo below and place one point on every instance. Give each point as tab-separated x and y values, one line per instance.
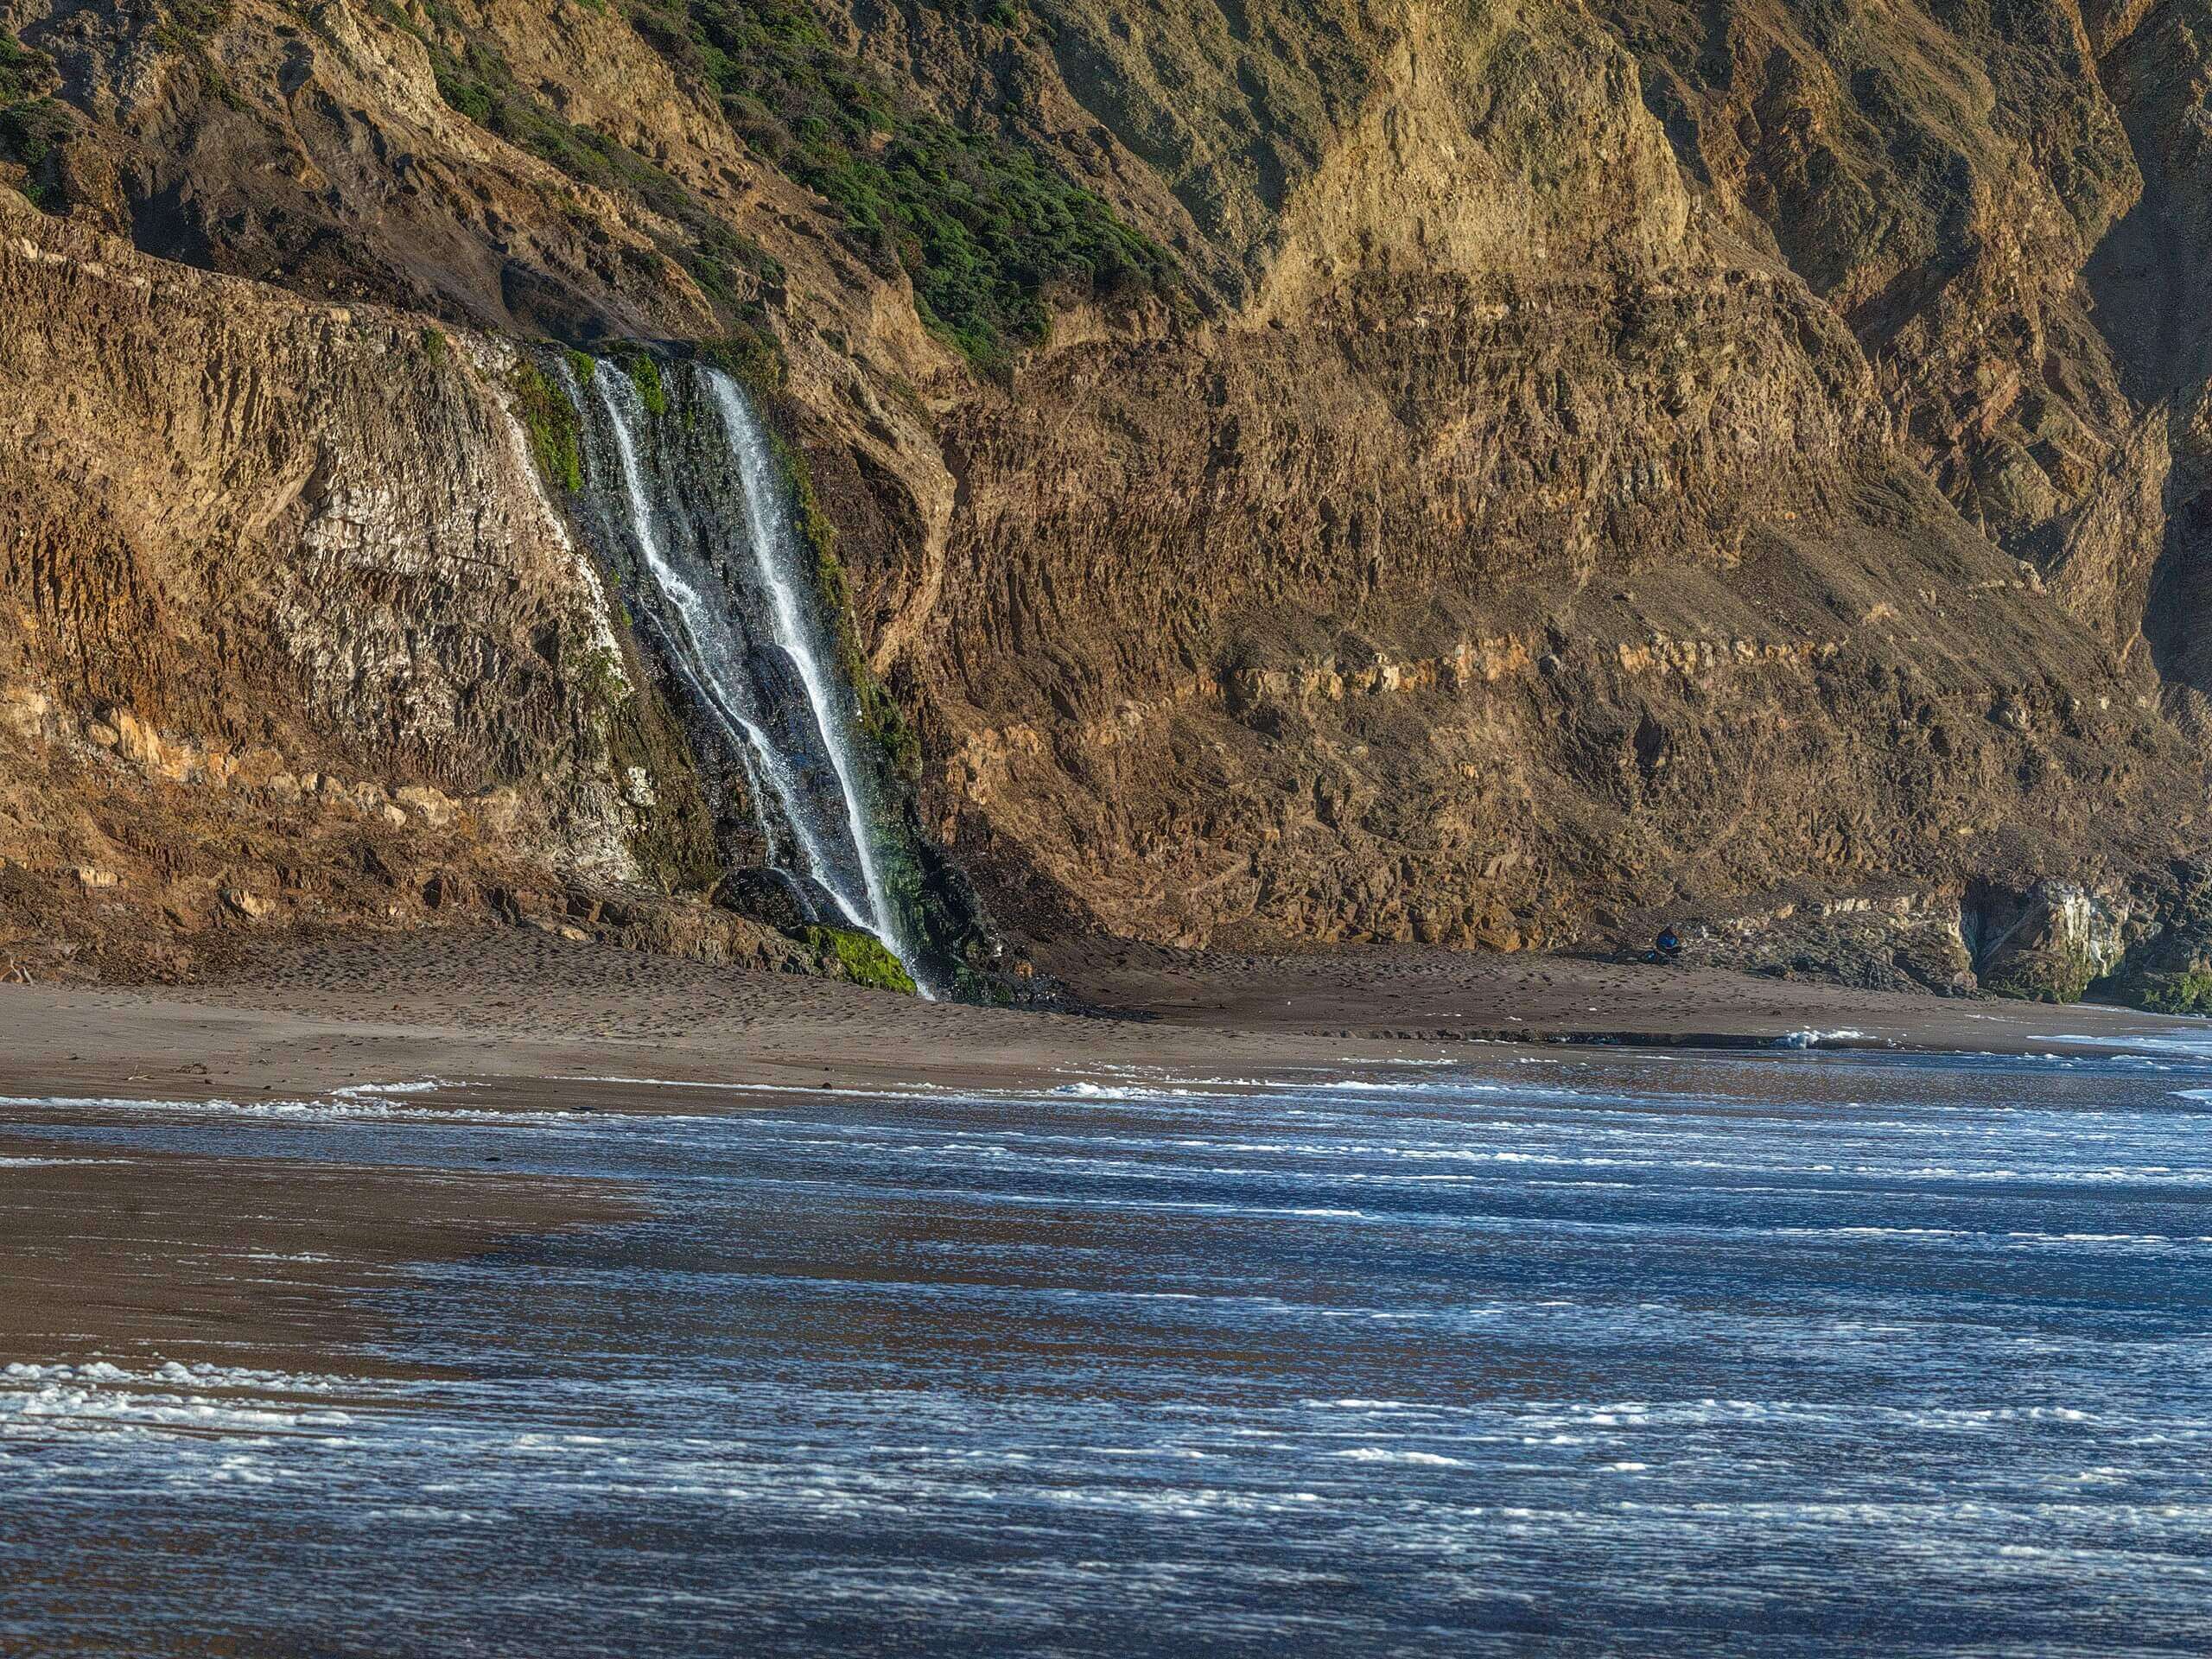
776	897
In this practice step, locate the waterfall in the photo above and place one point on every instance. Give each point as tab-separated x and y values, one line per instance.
776	556
749	648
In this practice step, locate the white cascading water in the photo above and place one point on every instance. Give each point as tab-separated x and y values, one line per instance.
710	652
702	640
775	552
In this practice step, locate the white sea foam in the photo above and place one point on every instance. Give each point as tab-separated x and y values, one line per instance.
2193	1045
1809	1039
1115	1092
362	1102
1387	1454
169	1397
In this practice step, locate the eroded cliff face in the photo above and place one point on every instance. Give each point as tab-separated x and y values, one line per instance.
1493	473
1573	525
293	632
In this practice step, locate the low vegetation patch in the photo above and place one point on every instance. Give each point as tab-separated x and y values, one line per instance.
33	126
556	429
645	374
754	356
475	79
983	226
188	25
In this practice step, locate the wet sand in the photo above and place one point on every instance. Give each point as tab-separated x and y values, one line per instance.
306	1015
141	1255
237	1260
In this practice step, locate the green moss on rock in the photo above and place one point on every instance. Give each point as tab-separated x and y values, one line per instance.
860	958
556	429
2188	991
645	374
752	354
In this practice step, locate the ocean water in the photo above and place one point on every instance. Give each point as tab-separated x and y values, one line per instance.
1804	1354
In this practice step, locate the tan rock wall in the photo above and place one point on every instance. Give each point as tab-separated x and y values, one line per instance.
1604	457
283	606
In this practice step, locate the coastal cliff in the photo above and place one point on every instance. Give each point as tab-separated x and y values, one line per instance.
1484	475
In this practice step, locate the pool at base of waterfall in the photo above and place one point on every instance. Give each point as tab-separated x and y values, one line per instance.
1668	1354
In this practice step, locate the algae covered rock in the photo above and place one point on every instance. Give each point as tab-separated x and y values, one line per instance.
2188	990
849	953
2171	972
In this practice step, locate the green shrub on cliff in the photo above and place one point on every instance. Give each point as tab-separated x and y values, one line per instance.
983	227
187	25
33	127
475	79
22	72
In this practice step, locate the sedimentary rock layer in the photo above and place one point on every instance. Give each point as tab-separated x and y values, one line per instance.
1307	473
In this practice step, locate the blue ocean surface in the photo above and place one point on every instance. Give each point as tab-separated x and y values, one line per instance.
1539	1354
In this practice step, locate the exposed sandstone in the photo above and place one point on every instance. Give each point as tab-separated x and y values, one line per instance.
288	610
1599	462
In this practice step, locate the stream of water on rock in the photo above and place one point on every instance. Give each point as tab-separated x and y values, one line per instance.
1803	1355
748	644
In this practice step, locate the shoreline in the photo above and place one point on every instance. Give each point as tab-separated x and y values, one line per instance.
175	1258
309	1015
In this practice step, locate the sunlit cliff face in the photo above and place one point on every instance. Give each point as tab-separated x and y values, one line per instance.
1303	474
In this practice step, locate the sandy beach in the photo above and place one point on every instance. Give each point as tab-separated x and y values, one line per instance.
307	1015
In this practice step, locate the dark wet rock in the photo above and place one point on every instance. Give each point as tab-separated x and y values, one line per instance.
782	899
